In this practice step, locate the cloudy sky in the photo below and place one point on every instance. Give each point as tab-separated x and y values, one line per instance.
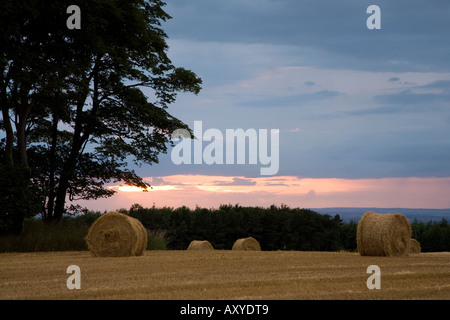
362	116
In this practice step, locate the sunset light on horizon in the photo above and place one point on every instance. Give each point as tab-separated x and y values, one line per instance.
212	191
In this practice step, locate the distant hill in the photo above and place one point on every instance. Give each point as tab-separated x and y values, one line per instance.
424	215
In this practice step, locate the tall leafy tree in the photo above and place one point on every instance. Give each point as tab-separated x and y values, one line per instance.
28	69
99	95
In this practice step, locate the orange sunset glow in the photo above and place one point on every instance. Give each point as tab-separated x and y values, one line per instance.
212	191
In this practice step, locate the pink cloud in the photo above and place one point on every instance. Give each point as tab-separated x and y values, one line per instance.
212	191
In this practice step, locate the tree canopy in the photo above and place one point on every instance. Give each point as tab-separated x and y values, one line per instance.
78	103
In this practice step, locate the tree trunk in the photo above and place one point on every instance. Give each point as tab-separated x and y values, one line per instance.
48	213
15	197
9	160
18	215
79	139
66	175
60	201
19	172
24	178
70	163
24	111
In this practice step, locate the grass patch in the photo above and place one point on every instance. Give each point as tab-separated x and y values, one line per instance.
157	240
40	236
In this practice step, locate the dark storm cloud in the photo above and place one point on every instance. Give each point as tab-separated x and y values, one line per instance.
413	36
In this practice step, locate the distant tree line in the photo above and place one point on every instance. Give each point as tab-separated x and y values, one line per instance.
432	236
275	227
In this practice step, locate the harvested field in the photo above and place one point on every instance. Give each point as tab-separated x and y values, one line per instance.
224	274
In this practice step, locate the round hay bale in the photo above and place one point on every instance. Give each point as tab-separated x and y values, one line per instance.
246	244
383	234
117	235
414	246
200	245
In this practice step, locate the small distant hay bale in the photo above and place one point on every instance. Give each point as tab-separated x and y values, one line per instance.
383	234
200	245
246	244
414	246
117	235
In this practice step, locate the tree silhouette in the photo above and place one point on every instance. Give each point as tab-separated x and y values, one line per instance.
76	104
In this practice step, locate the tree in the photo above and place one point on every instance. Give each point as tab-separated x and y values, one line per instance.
88	106
27	70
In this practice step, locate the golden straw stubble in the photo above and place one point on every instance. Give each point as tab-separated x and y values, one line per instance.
115	234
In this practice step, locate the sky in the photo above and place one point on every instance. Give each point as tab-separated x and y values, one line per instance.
361	116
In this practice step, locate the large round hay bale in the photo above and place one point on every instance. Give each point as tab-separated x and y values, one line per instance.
117	235
247	244
414	246
200	245
383	234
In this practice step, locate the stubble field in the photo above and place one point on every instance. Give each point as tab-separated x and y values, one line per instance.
221	274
